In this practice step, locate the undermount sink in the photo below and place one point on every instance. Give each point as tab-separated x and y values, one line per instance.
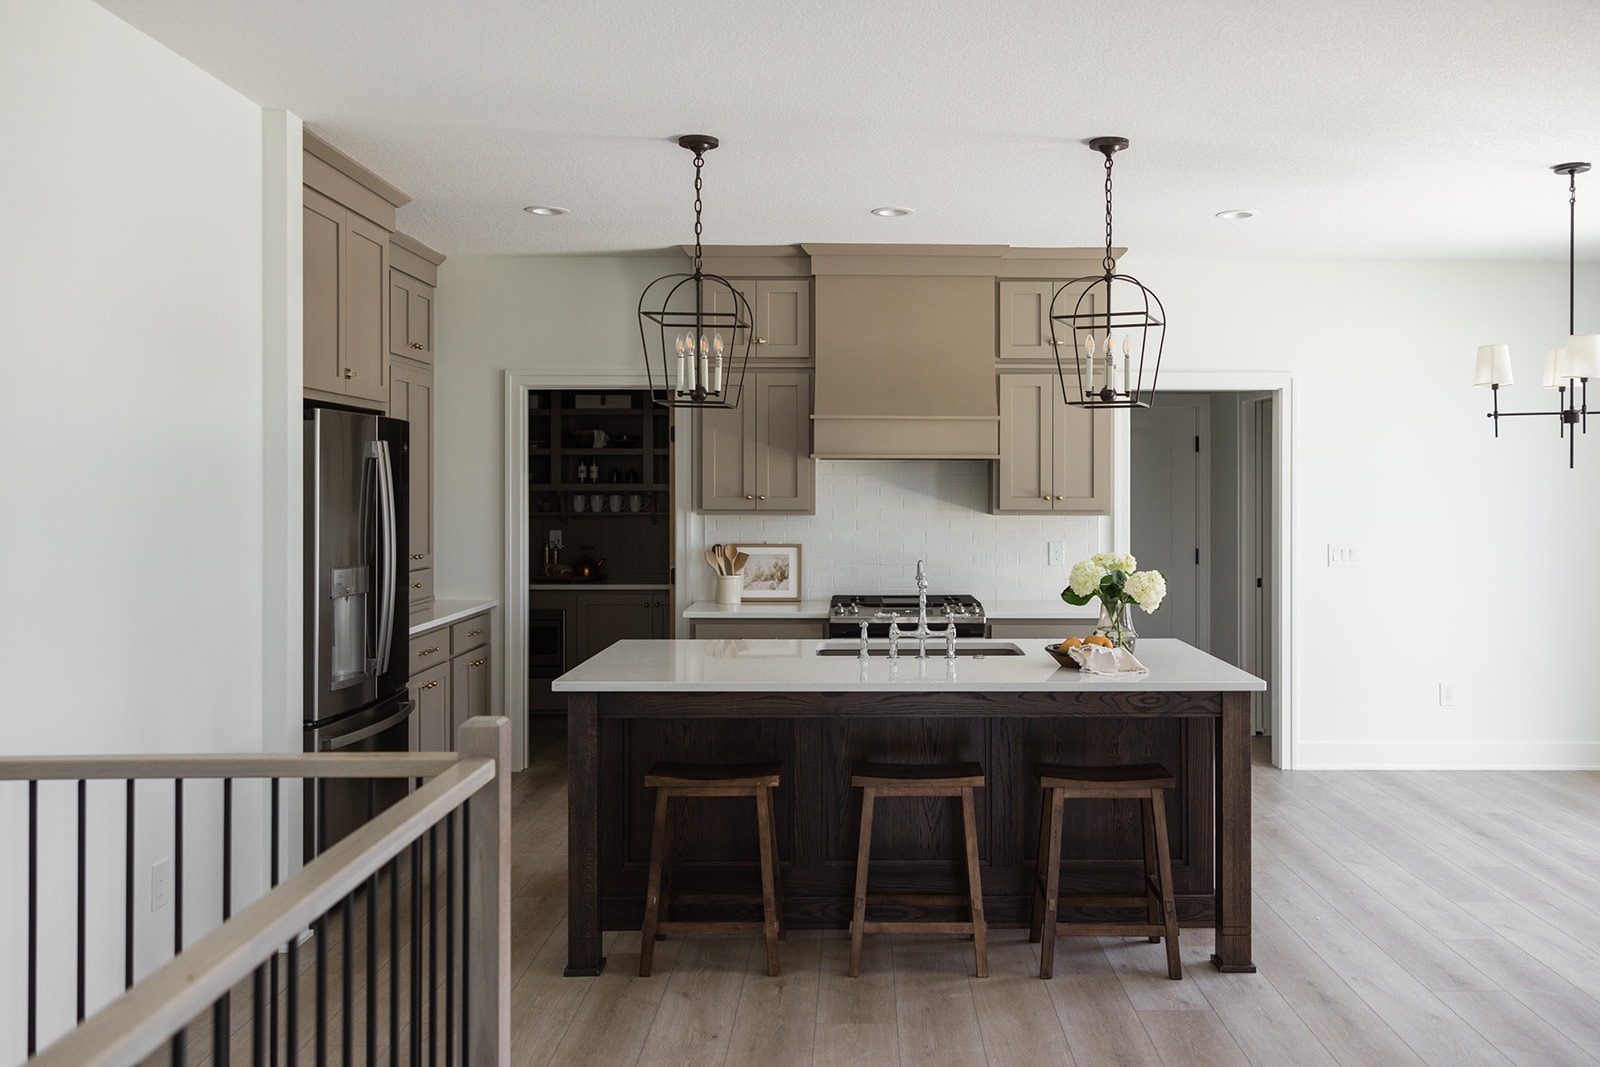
966	648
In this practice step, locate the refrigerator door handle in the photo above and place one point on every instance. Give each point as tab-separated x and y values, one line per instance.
346	740
388	562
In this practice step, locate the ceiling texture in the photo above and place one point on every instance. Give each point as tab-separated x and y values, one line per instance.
1363	129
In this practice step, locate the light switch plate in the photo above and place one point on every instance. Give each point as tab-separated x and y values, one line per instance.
1343	556
1447	694
1058	553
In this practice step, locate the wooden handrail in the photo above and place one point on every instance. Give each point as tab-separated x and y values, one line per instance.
135	1024
295	765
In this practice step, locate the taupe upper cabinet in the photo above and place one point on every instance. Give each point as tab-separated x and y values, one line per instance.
1025	317
411	398
1053	457
346	279
757	457
781	313
410	317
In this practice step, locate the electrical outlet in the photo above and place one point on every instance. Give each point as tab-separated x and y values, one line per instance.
160	884
1343	556
1447	694
1058	553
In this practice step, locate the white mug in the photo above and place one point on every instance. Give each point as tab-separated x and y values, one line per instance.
615	502
635	502
597	502
580	502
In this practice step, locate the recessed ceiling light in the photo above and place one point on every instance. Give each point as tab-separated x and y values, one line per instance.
544	209
1236	213
891	212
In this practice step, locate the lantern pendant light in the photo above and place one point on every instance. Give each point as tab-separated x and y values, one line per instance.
695	328
1115	330
1566	370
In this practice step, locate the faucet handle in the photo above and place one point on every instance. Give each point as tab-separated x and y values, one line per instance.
922	575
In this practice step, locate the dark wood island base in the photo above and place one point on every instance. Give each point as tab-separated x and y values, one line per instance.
613	736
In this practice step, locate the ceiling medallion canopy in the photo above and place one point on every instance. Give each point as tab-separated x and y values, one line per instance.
1114	333
695	328
1566	370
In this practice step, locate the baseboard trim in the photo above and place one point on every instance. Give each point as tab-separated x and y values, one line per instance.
1448	756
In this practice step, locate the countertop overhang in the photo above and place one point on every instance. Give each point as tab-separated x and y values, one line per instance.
792	666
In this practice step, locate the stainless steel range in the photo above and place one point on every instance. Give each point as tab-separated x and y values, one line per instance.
846	612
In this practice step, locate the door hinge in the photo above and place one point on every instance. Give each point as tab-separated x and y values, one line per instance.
1197	557
672	433
672	576
1197	442
1258	583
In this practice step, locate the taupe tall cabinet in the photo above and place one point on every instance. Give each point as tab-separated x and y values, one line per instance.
413	272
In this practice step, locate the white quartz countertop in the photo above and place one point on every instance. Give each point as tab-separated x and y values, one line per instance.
1053	608
792	666
757	609
449	611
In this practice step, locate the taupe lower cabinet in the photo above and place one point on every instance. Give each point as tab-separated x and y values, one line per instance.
605	617
450	674
411	398
346	278
757	457
1052	457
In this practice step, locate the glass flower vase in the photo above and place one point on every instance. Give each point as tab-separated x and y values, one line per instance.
1117	624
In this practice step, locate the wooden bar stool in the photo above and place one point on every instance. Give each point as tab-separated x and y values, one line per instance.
755	780
1144	782
918	780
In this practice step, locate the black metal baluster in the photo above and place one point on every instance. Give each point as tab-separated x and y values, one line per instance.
321	934
258	1016
372	938
466	929
127	900
433	947
449	939
33	916
394	962
291	1039
272	1009
222	1011
346	980
180	1039
416	949
83	885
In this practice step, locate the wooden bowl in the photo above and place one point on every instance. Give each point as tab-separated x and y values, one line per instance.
1061	656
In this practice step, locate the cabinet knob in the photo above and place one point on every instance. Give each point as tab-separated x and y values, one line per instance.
747	496
763	496
416	344
418	555
1060	498
348	373
416	585
1045	497
760	340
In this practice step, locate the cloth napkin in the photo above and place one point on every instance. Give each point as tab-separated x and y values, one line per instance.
1097	659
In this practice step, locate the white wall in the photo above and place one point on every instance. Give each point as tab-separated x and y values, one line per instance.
1476	554
876	518
131	431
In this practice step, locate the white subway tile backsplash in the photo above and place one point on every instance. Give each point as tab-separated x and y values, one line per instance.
876	518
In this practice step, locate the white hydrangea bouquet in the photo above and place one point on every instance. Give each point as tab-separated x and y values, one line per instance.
1112	578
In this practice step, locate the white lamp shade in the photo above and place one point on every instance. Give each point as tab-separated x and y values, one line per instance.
1555	362
1494	365
1583	356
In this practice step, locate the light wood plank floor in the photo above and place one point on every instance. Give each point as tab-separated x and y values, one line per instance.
1400	918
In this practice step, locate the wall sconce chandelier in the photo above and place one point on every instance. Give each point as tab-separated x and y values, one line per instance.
1566	370
695	321
1110	349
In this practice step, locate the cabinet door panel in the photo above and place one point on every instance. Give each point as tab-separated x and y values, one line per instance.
322	221
430	721
785	472
727	474
606	618
1025	319
364	286
469	688
419	322
1025	479
411	398
783	318
1082	459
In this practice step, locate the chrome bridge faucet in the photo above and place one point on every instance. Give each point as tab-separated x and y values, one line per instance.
922	631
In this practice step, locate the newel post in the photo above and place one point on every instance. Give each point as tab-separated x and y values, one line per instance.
487	1017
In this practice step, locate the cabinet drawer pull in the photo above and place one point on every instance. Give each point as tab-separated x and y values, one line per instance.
474	633
416	585
348	373
428	651
416	344
761	340
477	663
418	555
430	685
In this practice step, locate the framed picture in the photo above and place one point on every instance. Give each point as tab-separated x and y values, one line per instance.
772	572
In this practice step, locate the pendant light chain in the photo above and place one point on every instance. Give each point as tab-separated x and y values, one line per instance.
699	162
1110	264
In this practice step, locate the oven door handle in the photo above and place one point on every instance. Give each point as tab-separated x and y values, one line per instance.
345	741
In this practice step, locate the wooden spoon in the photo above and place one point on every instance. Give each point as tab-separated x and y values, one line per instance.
732	552
713	560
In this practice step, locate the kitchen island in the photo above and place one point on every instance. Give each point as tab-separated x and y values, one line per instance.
720	701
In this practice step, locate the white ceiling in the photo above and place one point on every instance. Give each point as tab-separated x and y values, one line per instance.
1366	129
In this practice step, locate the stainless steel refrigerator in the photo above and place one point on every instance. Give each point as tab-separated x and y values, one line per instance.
356	625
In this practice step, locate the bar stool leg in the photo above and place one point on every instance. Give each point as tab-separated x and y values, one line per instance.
777	871
858	914
1036	912
652	898
769	865
969	816
1152	895
1169	906
1054	800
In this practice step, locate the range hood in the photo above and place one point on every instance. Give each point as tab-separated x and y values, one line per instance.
905	352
